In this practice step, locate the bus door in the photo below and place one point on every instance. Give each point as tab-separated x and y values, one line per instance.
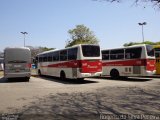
158	65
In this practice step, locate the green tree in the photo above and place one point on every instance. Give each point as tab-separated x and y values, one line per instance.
46	49
146	42
137	2
37	50
81	35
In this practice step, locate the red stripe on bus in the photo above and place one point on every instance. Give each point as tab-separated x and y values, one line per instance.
136	62
91	66
149	63
86	66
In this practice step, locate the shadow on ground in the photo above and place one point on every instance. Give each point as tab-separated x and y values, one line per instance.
13	80
86	106
129	79
67	81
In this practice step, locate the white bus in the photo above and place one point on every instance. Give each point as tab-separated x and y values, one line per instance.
1	64
137	60
77	62
17	63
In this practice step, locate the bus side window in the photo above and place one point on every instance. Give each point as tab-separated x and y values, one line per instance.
40	58
55	56
50	57
133	53
45	58
127	56
72	54
105	55
117	54
63	55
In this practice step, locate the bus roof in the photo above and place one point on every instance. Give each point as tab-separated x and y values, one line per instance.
8	48
48	51
64	48
133	46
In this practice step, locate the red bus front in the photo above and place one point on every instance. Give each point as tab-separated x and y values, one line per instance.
150	61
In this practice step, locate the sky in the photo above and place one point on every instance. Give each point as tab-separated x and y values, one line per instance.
47	22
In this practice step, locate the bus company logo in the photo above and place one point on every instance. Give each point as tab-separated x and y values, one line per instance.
75	64
91	66
138	62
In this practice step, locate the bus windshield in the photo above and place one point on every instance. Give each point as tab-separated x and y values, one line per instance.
150	50
91	51
157	52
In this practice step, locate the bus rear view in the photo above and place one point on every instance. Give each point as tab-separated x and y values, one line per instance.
91	61
17	62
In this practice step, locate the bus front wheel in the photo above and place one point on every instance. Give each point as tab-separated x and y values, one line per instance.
114	73
27	79
62	75
80	79
39	72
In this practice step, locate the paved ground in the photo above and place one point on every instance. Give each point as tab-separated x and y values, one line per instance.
93	98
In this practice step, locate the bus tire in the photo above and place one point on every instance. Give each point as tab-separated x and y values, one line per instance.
114	73
39	73
80	79
27	79
62	75
9	79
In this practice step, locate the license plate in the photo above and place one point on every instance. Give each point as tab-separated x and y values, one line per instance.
17	70
16	66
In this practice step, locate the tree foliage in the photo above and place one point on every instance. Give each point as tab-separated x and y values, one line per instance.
154	2
34	51
146	42
81	35
1	54
37	50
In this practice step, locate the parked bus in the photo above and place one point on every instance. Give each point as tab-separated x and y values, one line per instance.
137	60
1	64
17	63
157	55
77	62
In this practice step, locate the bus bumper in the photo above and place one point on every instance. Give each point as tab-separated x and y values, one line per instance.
17	75
150	73
84	75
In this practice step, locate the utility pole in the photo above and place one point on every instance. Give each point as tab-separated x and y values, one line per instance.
24	34
141	24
